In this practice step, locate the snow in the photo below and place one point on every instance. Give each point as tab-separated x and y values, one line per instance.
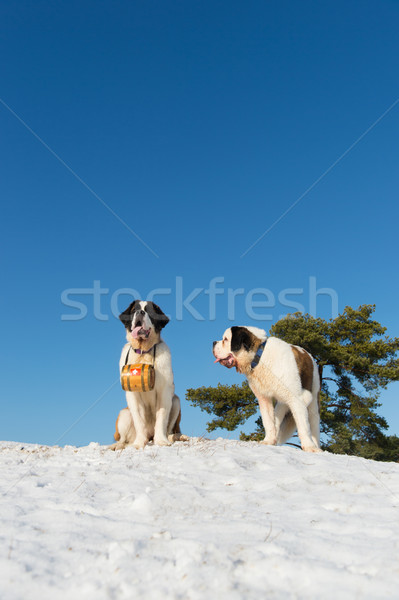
199	520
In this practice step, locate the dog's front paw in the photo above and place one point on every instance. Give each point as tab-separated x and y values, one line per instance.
311	449
117	446
162	441
139	443
178	437
269	441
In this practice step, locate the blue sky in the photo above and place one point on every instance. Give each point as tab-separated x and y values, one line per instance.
198	124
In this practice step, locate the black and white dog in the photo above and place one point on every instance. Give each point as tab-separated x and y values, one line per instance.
153	415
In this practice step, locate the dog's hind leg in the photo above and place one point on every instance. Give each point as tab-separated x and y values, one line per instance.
314	408
285	423
174	416
300	413
174	432
314	420
124	430
310	399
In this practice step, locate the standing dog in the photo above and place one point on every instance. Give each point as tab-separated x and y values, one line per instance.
276	371
153	415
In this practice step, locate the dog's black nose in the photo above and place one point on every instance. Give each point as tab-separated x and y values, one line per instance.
214	343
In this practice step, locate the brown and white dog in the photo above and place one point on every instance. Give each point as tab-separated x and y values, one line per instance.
276	371
153	415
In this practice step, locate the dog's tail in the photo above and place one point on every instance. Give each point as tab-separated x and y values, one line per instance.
287	428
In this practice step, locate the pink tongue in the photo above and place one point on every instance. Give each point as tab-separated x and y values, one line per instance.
217	360
135	331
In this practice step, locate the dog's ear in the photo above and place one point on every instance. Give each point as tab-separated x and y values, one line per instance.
158	318
127	315
240	337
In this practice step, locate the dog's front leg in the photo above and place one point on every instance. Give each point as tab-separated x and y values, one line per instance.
267	414
138	416
163	408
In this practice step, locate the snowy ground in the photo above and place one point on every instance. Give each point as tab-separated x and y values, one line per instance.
201	520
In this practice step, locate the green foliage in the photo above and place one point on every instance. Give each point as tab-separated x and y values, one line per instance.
357	360
257	435
232	404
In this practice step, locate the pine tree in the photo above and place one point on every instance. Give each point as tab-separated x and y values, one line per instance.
232	404
357	360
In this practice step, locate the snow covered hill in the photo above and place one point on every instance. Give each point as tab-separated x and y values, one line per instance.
201	520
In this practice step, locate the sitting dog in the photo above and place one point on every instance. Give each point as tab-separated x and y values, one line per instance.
276	371
155	414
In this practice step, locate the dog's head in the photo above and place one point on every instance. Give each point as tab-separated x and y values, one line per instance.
238	346
143	321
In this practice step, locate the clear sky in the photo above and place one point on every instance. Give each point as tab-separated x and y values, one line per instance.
149	144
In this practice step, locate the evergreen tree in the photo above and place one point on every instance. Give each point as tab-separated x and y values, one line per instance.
232	404
356	359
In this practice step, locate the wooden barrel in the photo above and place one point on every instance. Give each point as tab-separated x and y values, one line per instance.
138	378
